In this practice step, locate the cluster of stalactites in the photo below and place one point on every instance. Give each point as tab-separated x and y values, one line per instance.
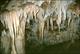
59	11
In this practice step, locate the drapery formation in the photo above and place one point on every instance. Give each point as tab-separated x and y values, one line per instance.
47	21
14	21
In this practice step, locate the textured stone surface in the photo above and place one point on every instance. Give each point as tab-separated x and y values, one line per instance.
51	34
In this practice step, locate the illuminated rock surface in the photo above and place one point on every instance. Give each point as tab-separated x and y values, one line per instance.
60	36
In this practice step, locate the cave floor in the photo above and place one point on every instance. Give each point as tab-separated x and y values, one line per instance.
61	48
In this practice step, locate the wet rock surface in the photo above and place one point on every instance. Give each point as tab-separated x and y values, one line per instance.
65	41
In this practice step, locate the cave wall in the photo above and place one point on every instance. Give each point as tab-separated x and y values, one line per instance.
51	36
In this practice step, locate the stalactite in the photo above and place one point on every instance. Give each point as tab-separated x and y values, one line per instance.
45	23
10	19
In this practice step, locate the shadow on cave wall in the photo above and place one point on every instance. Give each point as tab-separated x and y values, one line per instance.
3	4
